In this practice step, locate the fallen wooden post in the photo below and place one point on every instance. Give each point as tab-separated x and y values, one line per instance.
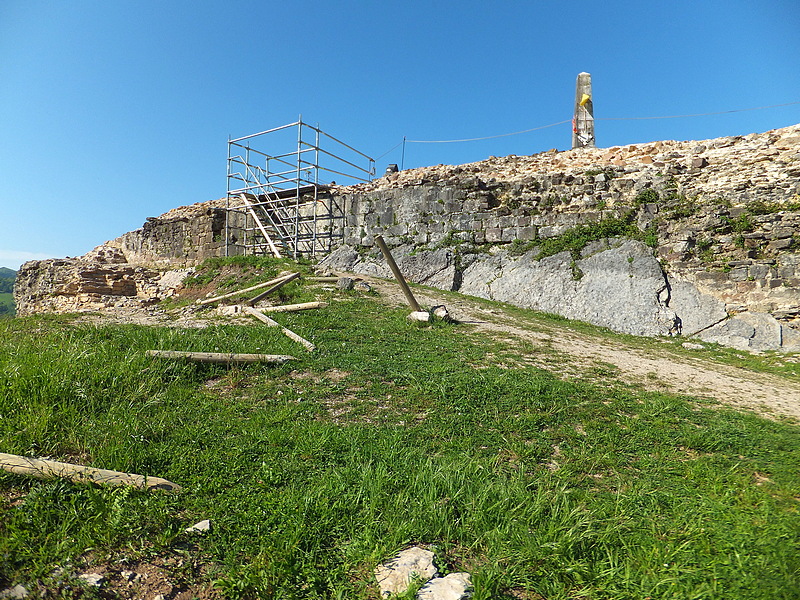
287	332
397	274
49	469
221	357
280	277
277	286
293	307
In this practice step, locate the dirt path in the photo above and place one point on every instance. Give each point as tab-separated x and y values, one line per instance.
768	395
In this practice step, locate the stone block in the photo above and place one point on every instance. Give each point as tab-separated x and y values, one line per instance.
494	234
781	233
526	233
781	244
508	235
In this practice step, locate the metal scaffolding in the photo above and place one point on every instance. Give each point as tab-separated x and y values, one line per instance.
281	204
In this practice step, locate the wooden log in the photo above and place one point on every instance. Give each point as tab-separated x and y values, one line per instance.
277	286
280	277
220	357
412	302
293	307
49	469
287	332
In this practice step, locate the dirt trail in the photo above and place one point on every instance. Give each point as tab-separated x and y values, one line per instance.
768	395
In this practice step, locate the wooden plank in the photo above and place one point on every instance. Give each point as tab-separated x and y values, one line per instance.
220	357
293	307
287	332
280	277
272	246
49	469
277	286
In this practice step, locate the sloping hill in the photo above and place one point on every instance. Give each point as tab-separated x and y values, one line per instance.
7	277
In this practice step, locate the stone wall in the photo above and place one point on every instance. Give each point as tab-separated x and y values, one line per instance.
716	234
183	236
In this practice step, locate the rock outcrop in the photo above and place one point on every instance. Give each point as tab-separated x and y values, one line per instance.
98	280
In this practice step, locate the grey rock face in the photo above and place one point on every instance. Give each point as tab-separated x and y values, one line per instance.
621	287
753	331
616	284
697	311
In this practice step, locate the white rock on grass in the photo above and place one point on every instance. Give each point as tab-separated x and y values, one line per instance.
455	586
422	316
201	527
693	346
395	575
92	579
15	593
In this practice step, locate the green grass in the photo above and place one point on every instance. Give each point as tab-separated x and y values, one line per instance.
388	435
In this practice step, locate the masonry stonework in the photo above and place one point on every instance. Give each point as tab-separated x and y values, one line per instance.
720	219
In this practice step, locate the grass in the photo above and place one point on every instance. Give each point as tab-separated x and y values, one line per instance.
388	435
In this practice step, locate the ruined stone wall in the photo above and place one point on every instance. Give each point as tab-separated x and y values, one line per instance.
723	214
713	226
183	236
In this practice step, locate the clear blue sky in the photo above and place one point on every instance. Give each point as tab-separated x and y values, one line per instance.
111	112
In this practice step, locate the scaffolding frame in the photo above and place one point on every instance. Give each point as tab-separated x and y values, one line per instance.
280	204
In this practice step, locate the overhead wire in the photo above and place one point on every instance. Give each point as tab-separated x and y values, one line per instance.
708	114
501	135
488	137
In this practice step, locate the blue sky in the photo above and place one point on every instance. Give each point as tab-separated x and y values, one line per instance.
111	112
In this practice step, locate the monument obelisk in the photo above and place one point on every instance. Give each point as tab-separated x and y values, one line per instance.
583	119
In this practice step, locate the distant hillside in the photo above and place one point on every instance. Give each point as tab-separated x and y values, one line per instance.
7	277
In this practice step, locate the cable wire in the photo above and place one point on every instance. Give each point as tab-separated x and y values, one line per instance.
492	137
708	114
488	137
397	145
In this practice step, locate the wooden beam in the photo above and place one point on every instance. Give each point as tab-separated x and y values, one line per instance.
277	286
412	302
50	469
252	210
280	277
287	332
220	357
293	307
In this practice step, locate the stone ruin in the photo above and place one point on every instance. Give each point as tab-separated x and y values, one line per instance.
717	254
